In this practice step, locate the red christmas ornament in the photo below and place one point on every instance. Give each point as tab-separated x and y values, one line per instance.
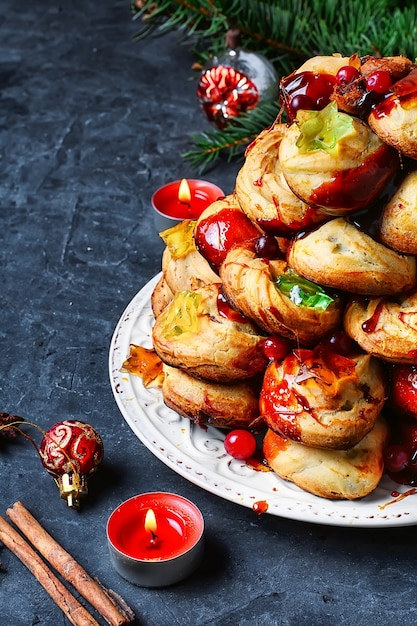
71	451
224	92
235	82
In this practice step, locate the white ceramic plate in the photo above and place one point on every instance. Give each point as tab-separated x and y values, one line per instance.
198	455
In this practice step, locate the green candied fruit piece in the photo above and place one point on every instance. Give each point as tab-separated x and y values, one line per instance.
322	130
183	314
179	239
303	292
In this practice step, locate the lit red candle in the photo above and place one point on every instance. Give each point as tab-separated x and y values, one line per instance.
183	199
155	539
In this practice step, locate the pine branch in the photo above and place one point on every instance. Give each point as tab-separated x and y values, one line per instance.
210	145
287	32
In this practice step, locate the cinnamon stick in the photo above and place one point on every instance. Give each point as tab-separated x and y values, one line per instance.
110	606
70	606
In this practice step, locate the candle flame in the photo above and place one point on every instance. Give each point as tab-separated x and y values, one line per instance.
150	522
184	192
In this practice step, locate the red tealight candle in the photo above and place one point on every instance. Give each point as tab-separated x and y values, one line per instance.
155	539
183	199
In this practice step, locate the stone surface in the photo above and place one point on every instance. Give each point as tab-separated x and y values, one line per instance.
91	123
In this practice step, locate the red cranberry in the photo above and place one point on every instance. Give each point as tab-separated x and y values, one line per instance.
320	89
404	389
400	456
240	444
266	246
300	102
346	74
379	81
339	342
396	458
275	347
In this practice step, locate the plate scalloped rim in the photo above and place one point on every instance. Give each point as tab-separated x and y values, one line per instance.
198	455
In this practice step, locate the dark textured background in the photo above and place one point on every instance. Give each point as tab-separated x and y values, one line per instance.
90	125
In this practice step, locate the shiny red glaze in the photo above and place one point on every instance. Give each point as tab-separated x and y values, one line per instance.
371	323
353	189
260	507
407	85
386	106
300	102
404	94
279	228
281	404
308	90
407	433
320	360
215	235
203	193
225	310
179	523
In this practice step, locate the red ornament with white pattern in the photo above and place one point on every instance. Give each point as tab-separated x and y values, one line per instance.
71	451
235	82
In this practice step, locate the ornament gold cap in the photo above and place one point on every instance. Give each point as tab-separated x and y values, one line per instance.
72	487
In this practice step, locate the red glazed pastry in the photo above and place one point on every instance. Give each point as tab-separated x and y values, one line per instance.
335	161
394	119
322	399
219	227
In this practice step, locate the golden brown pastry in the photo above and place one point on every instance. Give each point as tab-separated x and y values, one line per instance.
339	255
385	328
263	192
188	271
394	119
161	296
223	405
334	474
200	333
322	399
398	227
335	161
251	286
